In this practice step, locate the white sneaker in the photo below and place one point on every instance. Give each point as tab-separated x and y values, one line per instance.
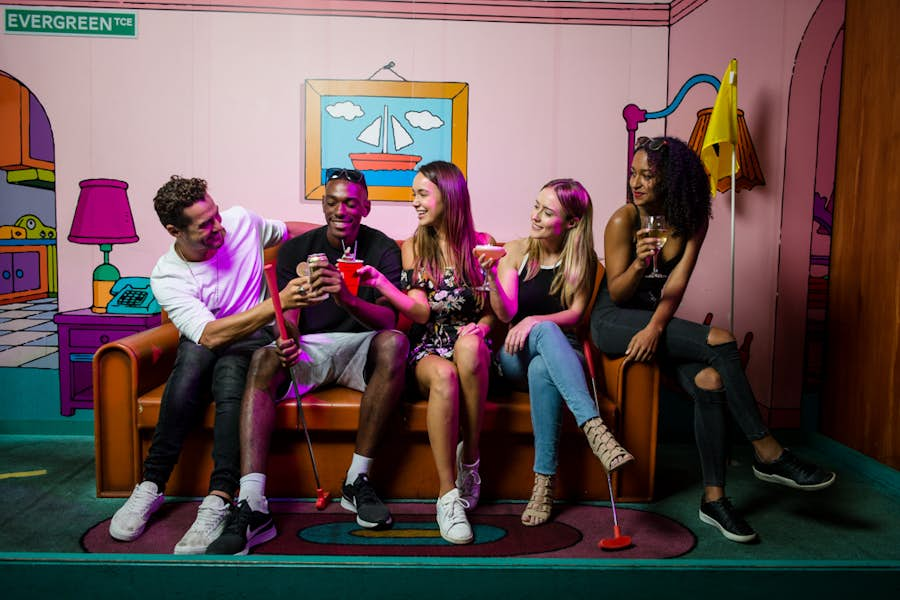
207	527
468	481
129	521
451	518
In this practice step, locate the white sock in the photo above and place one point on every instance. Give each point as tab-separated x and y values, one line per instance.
149	486
359	464
253	489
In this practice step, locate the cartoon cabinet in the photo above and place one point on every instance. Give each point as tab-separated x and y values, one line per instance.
81	332
23	270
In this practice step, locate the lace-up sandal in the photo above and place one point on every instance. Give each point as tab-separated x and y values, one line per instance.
538	510
605	447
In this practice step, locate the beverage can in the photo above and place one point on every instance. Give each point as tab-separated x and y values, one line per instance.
316	258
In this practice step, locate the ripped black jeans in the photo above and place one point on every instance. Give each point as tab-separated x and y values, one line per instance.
683	352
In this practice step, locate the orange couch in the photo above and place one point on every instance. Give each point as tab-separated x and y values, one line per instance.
129	375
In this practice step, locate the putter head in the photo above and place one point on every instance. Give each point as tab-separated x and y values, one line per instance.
619	542
322	499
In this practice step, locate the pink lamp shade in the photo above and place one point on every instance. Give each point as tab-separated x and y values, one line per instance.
103	215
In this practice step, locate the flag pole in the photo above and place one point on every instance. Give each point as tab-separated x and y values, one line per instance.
731	315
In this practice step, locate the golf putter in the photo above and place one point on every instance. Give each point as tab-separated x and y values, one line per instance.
618	541
321	495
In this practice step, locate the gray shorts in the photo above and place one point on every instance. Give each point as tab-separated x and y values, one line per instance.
332	358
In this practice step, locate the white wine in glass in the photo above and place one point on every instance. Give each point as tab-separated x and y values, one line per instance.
655	226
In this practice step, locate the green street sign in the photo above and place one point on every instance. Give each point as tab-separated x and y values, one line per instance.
70	22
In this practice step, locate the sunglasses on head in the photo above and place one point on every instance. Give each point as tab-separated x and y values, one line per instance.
654	144
349	174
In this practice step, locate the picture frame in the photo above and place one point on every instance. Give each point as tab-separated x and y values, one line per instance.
386	129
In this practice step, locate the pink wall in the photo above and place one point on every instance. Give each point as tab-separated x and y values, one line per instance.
764	37
219	95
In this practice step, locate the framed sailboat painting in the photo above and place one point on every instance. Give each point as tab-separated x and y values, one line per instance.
386	129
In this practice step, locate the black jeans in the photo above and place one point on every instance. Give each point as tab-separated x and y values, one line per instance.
197	372
683	351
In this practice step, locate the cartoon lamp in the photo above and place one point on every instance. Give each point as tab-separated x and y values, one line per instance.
103	217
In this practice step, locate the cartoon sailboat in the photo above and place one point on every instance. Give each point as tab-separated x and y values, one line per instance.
376	134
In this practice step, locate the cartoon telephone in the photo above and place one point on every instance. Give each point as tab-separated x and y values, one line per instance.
132	295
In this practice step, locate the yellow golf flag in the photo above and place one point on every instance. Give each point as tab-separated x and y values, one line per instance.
722	132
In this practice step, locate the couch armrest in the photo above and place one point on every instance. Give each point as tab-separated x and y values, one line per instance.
634	388
122	371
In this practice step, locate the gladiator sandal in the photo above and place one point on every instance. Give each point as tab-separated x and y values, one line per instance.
541	504
605	447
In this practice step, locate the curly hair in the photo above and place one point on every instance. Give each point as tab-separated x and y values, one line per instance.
176	195
681	183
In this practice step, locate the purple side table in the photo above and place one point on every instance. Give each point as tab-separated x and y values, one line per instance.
81	332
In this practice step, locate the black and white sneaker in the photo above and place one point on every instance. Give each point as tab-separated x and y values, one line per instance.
723	516
788	469
244	529
360	498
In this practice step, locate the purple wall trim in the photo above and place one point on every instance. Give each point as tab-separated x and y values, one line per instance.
640	14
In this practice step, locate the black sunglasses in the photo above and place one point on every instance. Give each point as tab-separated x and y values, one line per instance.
348	174
654	144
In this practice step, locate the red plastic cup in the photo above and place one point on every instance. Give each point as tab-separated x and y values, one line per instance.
348	268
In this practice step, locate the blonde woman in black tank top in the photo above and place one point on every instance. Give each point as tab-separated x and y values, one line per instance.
542	287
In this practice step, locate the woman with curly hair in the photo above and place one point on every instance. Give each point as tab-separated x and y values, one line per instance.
635	316
449	354
542	287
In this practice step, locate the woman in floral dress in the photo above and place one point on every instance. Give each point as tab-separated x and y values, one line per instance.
449	352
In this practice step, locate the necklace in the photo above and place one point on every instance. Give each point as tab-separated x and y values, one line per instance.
187	263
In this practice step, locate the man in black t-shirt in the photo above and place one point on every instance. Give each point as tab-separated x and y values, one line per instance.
337	338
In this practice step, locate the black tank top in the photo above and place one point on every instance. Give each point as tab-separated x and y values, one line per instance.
534	294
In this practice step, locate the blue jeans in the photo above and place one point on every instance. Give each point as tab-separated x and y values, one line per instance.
197	371
554	372
683	351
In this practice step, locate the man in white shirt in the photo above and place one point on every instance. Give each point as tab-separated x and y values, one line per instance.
211	285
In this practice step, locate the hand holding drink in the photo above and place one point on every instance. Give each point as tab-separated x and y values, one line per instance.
654	228
348	268
487	251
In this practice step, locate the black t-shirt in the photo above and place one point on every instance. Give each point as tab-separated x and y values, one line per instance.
372	247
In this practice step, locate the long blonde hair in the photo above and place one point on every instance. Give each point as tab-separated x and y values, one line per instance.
578	261
458	225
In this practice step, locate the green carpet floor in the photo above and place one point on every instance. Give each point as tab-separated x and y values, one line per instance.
826	543
858	518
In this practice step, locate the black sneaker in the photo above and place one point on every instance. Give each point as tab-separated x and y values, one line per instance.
723	516
244	529
360	497
793	472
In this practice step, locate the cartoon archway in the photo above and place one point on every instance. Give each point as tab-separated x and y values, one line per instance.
28	271
806	163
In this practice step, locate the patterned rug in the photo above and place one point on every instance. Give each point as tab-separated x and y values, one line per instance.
573	532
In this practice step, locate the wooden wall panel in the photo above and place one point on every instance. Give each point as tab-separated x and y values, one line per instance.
861	406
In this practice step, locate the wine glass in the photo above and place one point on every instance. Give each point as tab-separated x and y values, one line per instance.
491	251
655	226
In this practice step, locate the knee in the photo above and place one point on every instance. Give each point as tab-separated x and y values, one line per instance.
471	354
264	365
545	328
718	336
708	379
389	349
444	382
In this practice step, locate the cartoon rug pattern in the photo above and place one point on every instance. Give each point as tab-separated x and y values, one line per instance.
573	532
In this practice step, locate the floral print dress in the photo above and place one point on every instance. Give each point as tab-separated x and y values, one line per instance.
453	304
